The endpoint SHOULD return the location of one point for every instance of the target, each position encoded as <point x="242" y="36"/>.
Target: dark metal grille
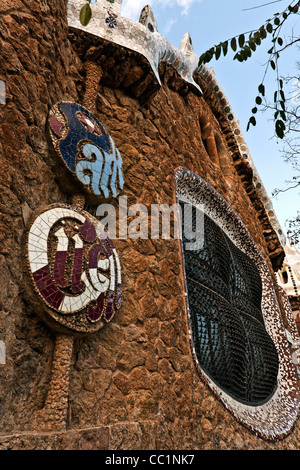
<point x="229" y="335"/>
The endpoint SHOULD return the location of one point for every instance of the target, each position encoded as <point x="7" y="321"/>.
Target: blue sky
<point x="210" y="22"/>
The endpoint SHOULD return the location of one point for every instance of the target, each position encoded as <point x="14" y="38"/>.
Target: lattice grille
<point x="229" y="335"/>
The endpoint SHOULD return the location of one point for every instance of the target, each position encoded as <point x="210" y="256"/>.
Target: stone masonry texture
<point x="133" y="384"/>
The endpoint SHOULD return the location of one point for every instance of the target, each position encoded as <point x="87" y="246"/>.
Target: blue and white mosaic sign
<point x="86" y="149"/>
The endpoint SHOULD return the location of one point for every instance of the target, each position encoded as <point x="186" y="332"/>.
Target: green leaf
<point x="254" y="110"/>
<point x="247" y="52"/>
<point x="85" y="14"/>
<point x="261" y="89"/>
<point x="273" y="65"/>
<point x="258" y="100"/>
<point x="281" y="124"/>
<point x="257" y="38"/>
<point x="293" y="9"/>
<point x="224" y="47"/>
<point x="241" y="40"/>
<point x="252" y="121"/>
<point x="252" y="45"/>
<point x="282" y="103"/>
<point x="238" y="57"/>
<point x="283" y="115"/>
<point x="201" y="59"/>
<point x="277" y="21"/>
<point x="263" y="33"/>
<point x="280" y="41"/>
<point x="269" y="28"/>
<point x="244" y="54"/>
<point x="209" y="54"/>
<point x="233" y="44"/>
<point x="218" y="52"/>
<point x="280" y="128"/>
<point x="206" y="57"/>
<point x="282" y="95"/>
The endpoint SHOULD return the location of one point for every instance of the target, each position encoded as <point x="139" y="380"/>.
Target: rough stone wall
<point x="133" y="384"/>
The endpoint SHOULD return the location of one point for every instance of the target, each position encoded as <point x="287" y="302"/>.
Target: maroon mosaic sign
<point x="74" y="267"/>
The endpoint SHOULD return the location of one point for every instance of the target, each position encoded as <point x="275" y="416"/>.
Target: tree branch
<point x="263" y="5"/>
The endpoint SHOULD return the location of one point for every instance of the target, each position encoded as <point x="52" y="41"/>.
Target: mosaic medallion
<point x="86" y="149"/>
<point x="111" y="19"/>
<point x="74" y="268"/>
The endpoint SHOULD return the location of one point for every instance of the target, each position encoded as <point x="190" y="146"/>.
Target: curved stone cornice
<point x="108" y="23"/>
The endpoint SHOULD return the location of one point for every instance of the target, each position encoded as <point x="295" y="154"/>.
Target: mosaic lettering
<point x="74" y="267"/>
<point x="86" y="149"/>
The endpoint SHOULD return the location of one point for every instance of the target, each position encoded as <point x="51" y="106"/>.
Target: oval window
<point x="225" y="293"/>
<point x="237" y="334"/>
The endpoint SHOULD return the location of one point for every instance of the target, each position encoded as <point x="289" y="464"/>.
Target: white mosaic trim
<point x="277" y="417"/>
<point x="292" y="332"/>
<point x="134" y="36"/>
<point x="39" y="233"/>
<point x="291" y="266"/>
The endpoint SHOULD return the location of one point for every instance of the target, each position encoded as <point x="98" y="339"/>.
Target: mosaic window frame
<point x="276" y="417"/>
